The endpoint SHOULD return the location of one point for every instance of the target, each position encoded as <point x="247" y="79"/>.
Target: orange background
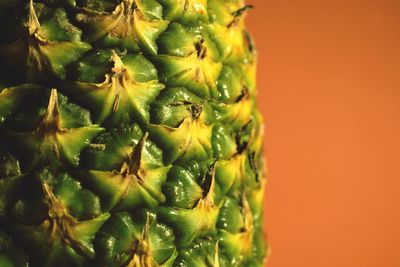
<point x="329" y="83"/>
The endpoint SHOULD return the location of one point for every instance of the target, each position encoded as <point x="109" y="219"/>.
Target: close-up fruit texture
<point x="129" y="134"/>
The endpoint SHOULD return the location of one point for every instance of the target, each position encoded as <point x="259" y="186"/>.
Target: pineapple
<point x="129" y="135"/>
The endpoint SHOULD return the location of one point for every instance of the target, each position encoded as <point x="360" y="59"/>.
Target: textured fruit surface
<point x="129" y="134"/>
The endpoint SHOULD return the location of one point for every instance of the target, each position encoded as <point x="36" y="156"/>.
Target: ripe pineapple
<point x="129" y="134"/>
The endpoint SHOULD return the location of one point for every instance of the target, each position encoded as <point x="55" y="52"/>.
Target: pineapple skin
<point x="129" y="135"/>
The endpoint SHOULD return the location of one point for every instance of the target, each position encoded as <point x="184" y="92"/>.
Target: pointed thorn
<point x="209" y="198"/>
<point x="216" y="257"/>
<point x="146" y="227"/>
<point x="46" y="189"/>
<point x="118" y="64"/>
<point x="241" y="10"/>
<point x="247" y="214"/>
<point x="136" y="156"/>
<point x="52" y="116"/>
<point x="33" y="21"/>
<point x="238" y="14"/>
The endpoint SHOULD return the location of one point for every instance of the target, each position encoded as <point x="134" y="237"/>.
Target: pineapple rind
<point x="129" y="135"/>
